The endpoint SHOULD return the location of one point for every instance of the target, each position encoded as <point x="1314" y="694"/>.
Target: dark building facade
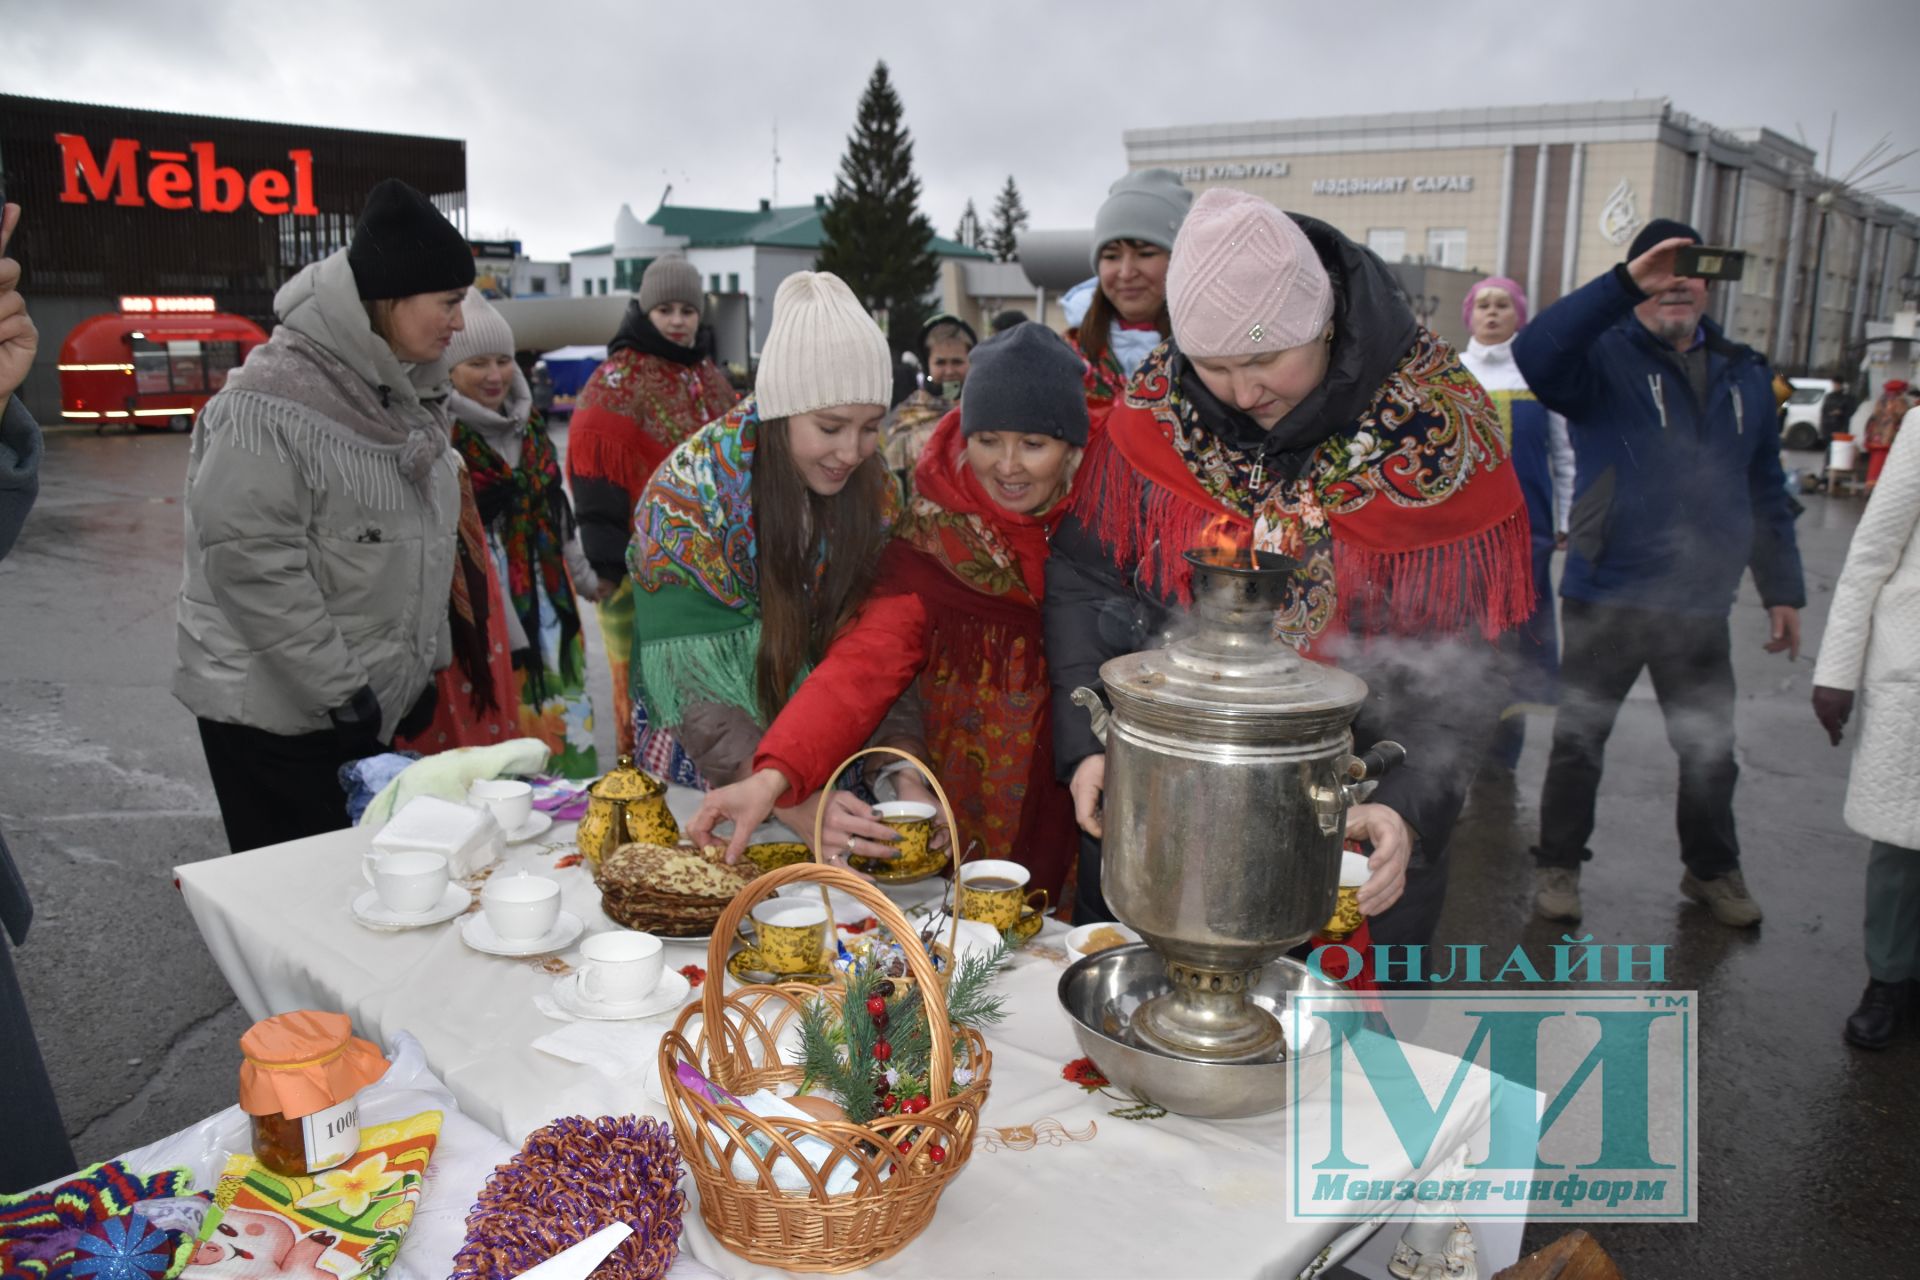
<point x="124" y="202"/>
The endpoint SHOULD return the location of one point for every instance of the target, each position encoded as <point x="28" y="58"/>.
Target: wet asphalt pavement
<point x="1802" y="1139"/>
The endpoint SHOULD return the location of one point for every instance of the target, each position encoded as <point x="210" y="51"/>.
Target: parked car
<point x="1802" y="417"/>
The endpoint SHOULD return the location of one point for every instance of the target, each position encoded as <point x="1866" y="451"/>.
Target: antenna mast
<point x="776" y="163"/>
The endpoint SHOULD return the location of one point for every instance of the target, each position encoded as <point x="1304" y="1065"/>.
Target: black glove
<point x="357" y="723"/>
<point x="421" y="713"/>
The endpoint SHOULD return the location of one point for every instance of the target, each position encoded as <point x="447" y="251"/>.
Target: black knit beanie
<point x="1027" y="381"/>
<point x="403" y="246"/>
<point x="1656" y="231"/>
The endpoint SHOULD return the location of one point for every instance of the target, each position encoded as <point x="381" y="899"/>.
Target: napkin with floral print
<point x="340" y="1224"/>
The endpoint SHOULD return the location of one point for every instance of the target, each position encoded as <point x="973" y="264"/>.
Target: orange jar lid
<point x="300" y="1063"/>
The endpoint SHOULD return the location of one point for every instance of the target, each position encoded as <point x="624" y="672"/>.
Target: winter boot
<point x="1556" y="892"/>
<point x="1726" y="896"/>
<point x="1881" y="1014"/>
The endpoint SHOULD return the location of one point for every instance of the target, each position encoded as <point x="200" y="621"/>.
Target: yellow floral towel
<point x="343" y="1224"/>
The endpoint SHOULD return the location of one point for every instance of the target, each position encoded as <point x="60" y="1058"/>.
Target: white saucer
<point x="666" y="997"/>
<point x="478" y="934"/>
<point x="375" y="914"/>
<point x="536" y="825"/>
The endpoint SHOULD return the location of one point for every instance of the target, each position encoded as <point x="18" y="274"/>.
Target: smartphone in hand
<point x="1705" y="263"/>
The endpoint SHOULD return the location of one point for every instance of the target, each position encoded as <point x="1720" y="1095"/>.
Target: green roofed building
<point x="742" y="255"/>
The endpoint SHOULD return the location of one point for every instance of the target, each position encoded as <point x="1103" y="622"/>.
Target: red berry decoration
<point x="915" y="1105"/>
<point x="880" y="1021"/>
<point x="905" y="1145"/>
<point x="882" y="1051"/>
<point x="877" y="1006"/>
<point x="889" y="1103"/>
<point x="936" y="1152"/>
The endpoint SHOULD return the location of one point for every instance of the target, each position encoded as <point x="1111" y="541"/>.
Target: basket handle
<point x="713" y="1003"/>
<point x="953" y="841"/>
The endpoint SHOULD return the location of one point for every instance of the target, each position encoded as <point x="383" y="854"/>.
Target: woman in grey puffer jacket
<point x="322" y="499"/>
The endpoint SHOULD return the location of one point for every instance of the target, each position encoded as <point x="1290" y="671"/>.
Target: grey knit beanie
<point x="1026" y="380"/>
<point x="671" y="279"/>
<point x="823" y="349"/>
<point x="486" y="332"/>
<point x="1147" y="204"/>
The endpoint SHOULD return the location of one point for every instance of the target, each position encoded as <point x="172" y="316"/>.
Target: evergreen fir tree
<point x="1009" y="216"/>
<point x="967" y="231"/>
<point x="876" y="236"/>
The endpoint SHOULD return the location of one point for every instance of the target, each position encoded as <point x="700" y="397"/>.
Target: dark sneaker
<point x="1726" y="896"/>
<point x="1879" y="1017"/>
<point x="1556" y="892"/>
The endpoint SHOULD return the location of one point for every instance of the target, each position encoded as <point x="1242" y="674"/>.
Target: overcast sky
<point x="569" y="108"/>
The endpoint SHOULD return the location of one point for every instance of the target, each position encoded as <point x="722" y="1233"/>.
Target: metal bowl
<point x="1102" y="992"/>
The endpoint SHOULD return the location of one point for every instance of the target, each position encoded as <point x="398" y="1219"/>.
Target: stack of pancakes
<point x="673" y="891"/>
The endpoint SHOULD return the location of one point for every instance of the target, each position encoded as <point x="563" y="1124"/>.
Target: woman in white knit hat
<point x="758" y="538"/>
<point x="532" y="541"/>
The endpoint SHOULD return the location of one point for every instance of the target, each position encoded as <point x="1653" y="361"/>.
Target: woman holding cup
<point x="758" y="541"/>
<point x="959" y="599"/>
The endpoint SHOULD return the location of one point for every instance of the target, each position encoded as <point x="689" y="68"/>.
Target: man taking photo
<point x="1678" y="489"/>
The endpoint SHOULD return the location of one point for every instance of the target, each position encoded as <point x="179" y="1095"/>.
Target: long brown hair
<point x="798" y="615"/>
<point x="1096" y="326"/>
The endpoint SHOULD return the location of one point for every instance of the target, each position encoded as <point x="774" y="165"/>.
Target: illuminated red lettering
<point x="77" y="166"/>
<point x="303" y="184"/>
<point x="169" y="181"/>
<point x="267" y="192"/>
<point x="221" y="188"/>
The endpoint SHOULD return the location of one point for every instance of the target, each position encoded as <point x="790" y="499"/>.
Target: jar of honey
<point x="300" y="1080"/>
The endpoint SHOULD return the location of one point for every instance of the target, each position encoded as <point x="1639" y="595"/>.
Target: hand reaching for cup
<point x="1392" y="841"/>
<point x="851" y="831"/>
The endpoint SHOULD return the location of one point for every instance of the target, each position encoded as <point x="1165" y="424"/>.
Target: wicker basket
<point x="737" y="1046"/>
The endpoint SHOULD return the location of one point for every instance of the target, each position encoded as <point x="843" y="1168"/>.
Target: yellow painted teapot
<point x="625" y="806"/>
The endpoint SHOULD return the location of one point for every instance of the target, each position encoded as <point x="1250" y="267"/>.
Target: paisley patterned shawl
<point x="1409" y="520"/>
<point x="647" y="395"/>
<point x="695" y="526"/>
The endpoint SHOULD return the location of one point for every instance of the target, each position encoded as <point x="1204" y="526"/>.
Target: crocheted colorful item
<point x="525" y="507"/>
<point x="1105" y="382"/>
<point x="346" y="1223"/>
<point x="41" y="1232"/>
<point x="1408" y="520"/>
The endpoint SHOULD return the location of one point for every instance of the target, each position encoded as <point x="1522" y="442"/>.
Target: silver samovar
<point x="1229" y="770"/>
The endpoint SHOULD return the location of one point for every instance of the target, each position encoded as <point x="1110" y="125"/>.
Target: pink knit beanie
<point x="1509" y="287"/>
<point x="1244" y="279"/>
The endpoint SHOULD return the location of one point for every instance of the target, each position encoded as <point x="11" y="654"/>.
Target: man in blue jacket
<point x="1678" y="489"/>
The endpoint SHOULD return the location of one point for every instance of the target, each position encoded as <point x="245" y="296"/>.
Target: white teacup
<point x="408" y="882"/>
<point x="619" y="968"/>
<point x="521" y="907"/>
<point x="510" y="802"/>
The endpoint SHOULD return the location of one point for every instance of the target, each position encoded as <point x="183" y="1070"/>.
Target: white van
<point x="1800" y="415"/>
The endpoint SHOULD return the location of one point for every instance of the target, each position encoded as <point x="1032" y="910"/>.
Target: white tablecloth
<point x="1059" y="1184"/>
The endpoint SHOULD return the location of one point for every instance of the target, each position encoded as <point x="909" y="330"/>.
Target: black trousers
<point x="1690" y="659"/>
<point x="274" y="787"/>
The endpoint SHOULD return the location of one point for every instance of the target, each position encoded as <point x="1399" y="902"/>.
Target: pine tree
<point x="967" y="231"/>
<point x="1009" y="216"/>
<point x="876" y="236"/>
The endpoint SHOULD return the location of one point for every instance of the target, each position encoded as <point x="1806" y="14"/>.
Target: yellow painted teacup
<point x="789" y="934"/>
<point x="994" y="892"/>
<point x="1347" y="917"/>
<point x="912" y="821"/>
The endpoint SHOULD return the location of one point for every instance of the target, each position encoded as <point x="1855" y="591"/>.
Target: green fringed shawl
<point x="689" y="647"/>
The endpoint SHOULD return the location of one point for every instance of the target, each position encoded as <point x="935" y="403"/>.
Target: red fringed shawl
<point x="633" y="412"/>
<point x="1407" y="521"/>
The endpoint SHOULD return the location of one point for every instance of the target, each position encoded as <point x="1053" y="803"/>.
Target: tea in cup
<point x="620" y="968"/>
<point x="912" y="822"/>
<point x="409" y="882"/>
<point x="995" y="891"/>
<point x="790" y="935"/>
<point x="1347" y="917"/>
<point x="521" y="907"/>
<point x="510" y="802"/>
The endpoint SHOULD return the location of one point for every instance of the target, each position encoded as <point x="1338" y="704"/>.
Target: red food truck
<point x="153" y="364"/>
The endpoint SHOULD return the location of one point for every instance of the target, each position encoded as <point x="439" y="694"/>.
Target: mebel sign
<point x="176" y="181"/>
